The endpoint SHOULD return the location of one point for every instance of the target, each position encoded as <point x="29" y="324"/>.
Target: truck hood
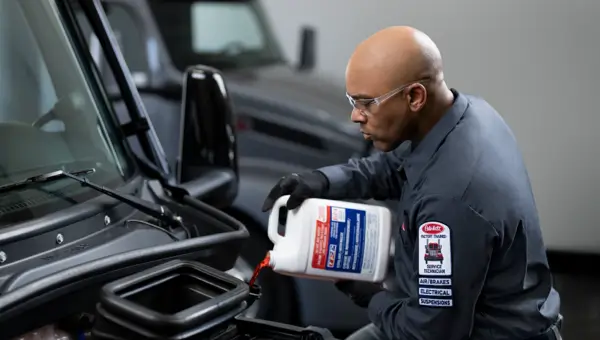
<point x="305" y="96"/>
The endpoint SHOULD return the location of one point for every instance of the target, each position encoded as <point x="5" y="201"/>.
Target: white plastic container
<point x="327" y="239"/>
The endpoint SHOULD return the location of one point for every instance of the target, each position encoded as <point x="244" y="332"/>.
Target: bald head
<point x="396" y="62"/>
<point x="395" y="56"/>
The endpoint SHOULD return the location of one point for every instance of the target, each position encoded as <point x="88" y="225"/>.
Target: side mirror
<point x="308" y="52"/>
<point x="207" y="165"/>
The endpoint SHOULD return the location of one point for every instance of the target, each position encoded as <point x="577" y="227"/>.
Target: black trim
<point x="135" y="127"/>
<point x="148" y="140"/>
<point x="76" y="288"/>
<point x="41" y="202"/>
<point x="64" y="217"/>
<point x="92" y="74"/>
<point x="286" y="133"/>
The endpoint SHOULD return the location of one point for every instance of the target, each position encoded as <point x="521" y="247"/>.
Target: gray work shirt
<point x="469" y="258"/>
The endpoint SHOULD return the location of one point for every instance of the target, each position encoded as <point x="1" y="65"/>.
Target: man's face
<point x="386" y="124"/>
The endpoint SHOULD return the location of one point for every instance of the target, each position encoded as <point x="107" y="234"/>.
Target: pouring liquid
<point x="263" y="264"/>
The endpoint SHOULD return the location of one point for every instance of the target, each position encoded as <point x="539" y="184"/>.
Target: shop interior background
<point x="537" y="63"/>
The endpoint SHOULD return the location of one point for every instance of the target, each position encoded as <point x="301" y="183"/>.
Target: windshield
<point x="50" y="116"/>
<point x="222" y="34"/>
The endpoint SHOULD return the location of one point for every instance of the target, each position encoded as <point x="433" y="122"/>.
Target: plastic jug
<point x="328" y="239"/>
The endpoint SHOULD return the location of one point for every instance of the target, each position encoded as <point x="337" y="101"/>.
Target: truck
<point x="287" y="120"/>
<point x="282" y="112"/>
<point x="89" y="206"/>
<point x="433" y="252"/>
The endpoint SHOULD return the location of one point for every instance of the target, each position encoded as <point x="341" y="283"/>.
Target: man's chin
<point x="381" y="146"/>
<point x="386" y="146"/>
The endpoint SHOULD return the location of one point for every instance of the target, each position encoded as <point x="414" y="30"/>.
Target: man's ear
<point x="417" y="96"/>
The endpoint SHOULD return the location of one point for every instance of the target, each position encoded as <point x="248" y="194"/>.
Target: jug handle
<point x="272" y="231"/>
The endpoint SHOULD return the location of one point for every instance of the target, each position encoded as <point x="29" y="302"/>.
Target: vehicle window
<point x="27" y="90"/>
<point x="223" y="34"/>
<point x="50" y="118"/>
<point x="224" y="28"/>
<point x="159" y="111"/>
<point x="130" y="36"/>
<point x="105" y="71"/>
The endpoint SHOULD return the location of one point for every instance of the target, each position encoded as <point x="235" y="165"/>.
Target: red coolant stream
<point x="263" y="264"/>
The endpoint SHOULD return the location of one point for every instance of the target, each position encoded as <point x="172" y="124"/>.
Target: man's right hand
<point x="299" y="187"/>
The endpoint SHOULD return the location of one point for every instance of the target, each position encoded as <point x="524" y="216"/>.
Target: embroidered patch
<point x="440" y="292"/>
<point x="435" y="251"/>
<point x="428" y="281"/>
<point x="435" y="302"/>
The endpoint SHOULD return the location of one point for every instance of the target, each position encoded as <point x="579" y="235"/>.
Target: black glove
<point x="359" y="292"/>
<point x="299" y="187"/>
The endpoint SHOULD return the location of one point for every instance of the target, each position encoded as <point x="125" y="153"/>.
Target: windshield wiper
<point x="157" y="211"/>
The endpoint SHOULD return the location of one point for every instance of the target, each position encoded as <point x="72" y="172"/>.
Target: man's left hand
<point x="359" y="292"/>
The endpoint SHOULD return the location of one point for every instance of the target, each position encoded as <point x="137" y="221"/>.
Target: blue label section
<point x="346" y="240"/>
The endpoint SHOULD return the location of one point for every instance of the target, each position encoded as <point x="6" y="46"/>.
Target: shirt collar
<point x="413" y="161"/>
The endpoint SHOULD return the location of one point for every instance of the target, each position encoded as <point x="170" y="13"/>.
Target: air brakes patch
<point x="435" y="250"/>
<point x="428" y="281"/>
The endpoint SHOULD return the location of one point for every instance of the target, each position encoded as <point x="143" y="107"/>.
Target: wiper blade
<point x="47" y="177"/>
<point x="157" y="211"/>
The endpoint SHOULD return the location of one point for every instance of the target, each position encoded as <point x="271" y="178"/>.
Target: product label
<point x="346" y="240"/>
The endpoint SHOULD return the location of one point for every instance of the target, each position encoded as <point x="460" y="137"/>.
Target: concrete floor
<point x="580" y="305"/>
<point x="578" y="284"/>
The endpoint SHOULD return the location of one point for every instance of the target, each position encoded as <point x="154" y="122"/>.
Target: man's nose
<point x="357" y="117"/>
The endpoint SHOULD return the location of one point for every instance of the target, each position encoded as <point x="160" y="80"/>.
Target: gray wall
<point x="536" y="61"/>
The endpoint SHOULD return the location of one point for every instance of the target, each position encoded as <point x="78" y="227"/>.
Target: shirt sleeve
<point x="376" y="176"/>
<point x="452" y="252"/>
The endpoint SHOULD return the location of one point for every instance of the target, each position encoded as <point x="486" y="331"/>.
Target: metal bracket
<point x="135" y="127"/>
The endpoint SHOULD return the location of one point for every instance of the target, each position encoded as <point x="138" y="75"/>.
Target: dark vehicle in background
<point x="85" y="199"/>
<point x="284" y="112"/>
<point x="287" y="121"/>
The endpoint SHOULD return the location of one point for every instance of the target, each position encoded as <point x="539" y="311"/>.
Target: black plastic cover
<point x="255" y="329"/>
<point x="186" y="300"/>
<point x="234" y="328"/>
<point x="46" y="293"/>
<point x="174" y="297"/>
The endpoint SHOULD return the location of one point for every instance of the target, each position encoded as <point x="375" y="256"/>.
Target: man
<point x="469" y="258"/>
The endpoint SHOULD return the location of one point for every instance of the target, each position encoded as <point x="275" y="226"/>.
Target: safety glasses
<point x="363" y="104"/>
